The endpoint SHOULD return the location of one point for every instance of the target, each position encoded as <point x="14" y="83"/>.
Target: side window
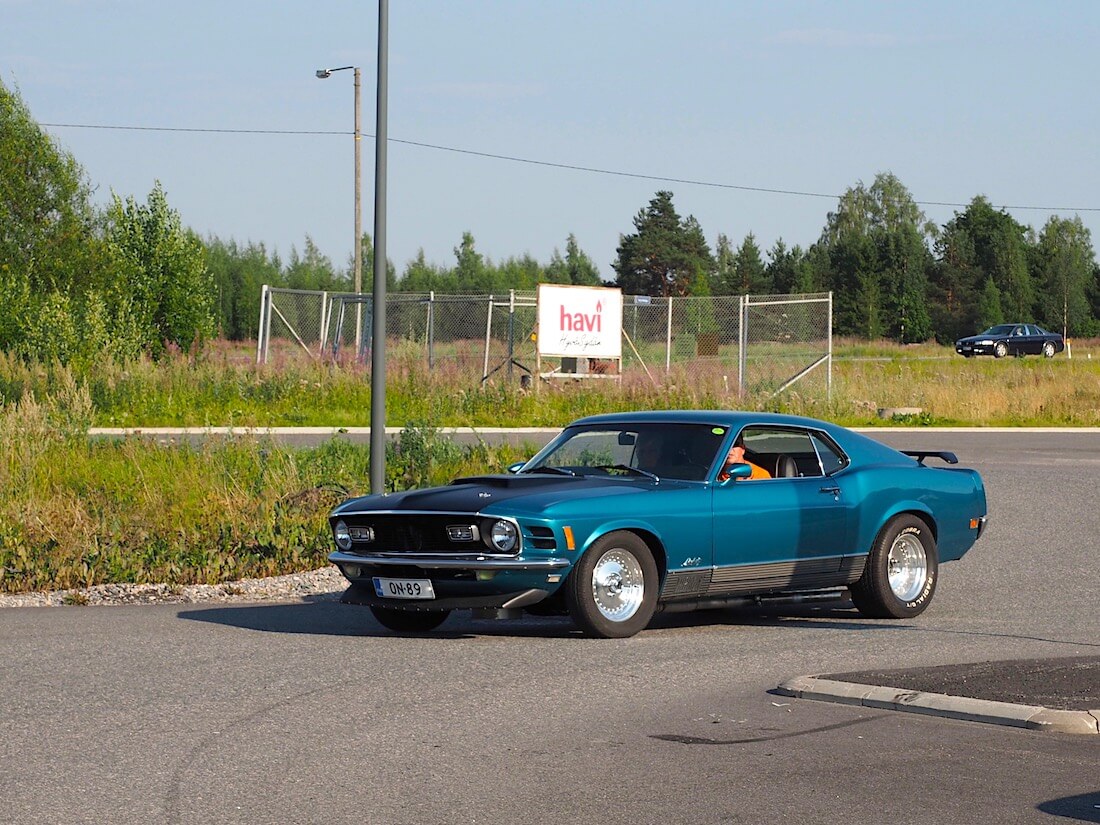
<point x="831" y="457"/>
<point x="784" y="453"/>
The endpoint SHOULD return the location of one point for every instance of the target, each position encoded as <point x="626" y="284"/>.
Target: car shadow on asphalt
<point x="1081" y="808"/>
<point x="331" y="618"/>
<point x="323" y="616"/>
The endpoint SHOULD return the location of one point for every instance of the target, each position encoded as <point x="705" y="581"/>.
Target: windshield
<point x="675" y="451"/>
<point x="1000" y="329"/>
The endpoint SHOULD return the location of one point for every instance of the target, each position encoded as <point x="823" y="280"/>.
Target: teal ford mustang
<point x="625" y="515"/>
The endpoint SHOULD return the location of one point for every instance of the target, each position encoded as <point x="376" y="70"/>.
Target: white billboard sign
<point x="580" y="321"/>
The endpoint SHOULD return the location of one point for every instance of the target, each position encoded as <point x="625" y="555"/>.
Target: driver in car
<point x="736" y="455"/>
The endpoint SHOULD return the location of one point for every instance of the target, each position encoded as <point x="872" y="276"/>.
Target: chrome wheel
<point x="1000" y="350"/>
<point x="902" y="567"/>
<point x="1048" y="349"/>
<point x="612" y="591"/>
<point x="907" y="567"/>
<point x="618" y="585"/>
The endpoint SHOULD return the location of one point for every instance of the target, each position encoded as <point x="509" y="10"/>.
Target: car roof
<point x="855" y="444"/>
<point x="725" y="418"/>
<point x="728" y="418"/>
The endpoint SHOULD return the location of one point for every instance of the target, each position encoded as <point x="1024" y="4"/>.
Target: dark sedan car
<point x="1011" y="339"/>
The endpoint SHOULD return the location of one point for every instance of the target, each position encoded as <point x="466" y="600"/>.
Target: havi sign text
<point x="580" y="321"/>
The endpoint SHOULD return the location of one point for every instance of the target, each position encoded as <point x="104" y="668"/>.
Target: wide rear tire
<point x="612" y="591"/>
<point x="901" y="573"/>
<point x="1048" y="350"/>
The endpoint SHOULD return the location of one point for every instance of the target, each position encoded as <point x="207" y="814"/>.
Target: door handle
<point x="835" y="491"/>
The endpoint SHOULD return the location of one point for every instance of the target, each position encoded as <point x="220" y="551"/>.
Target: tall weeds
<point x="79" y="512"/>
<point x="222" y="388"/>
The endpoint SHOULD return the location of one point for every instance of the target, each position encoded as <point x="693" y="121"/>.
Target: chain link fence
<point x="754" y="343"/>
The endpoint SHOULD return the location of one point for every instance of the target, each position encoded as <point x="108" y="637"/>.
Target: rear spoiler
<point x="921" y="455"/>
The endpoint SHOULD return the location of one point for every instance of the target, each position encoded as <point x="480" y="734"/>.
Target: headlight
<point x="342" y="536"/>
<point x="986" y="342"/>
<point x="504" y="536"/>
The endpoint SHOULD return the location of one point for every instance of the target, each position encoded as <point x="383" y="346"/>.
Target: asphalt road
<point x="309" y="712"/>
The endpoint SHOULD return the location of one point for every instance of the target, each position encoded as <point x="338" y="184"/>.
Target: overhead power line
<point x="547" y="163"/>
<point x="182" y="129"/>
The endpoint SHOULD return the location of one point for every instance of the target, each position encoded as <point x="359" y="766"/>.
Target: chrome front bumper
<point x="340" y="558"/>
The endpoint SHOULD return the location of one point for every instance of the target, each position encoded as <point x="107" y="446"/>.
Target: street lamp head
<point x="323" y="73"/>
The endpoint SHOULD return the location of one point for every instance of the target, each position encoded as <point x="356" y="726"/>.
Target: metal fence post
<point x="743" y="342"/>
<point x="431" y="330"/>
<point x="268" y="306"/>
<point x="260" y="330"/>
<point x="829" y="370"/>
<point x="488" y="333"/>
<point x="668" y="338"/>
<point x="511" y="331"/>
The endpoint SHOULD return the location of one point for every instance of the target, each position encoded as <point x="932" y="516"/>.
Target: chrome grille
<point x="441" y="533"/>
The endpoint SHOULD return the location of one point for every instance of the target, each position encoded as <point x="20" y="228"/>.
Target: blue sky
<point x="956" y="99"/>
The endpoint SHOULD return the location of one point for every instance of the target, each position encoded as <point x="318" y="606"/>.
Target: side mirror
<point x="737" y="471"/>
<point x="515" y="468"/>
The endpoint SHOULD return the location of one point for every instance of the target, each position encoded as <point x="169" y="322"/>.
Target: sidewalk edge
<point x="1032" y="717"/>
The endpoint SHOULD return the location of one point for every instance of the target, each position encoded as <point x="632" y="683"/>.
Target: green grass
<point x="79" y="512"/>
<point x="225" y="389"/>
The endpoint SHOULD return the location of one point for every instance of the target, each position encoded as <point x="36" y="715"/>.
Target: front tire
<point x="1000" y="349"/>
<point x="1048" y="349"/>
<point x="612" y="591"/>
<point x="409" y="621"/>
<point x="901" y="573"/>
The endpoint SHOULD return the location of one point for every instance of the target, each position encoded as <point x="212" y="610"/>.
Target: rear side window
<point x="831" y="457"/>
<point x="769" y="448"/>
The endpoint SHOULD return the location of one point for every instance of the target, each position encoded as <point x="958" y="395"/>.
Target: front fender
<point x="648" y="531"/>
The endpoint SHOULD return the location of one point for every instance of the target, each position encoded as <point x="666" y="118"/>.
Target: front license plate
<point x="404" y="588"/>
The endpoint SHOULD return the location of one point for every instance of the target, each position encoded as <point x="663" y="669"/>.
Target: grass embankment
<point x="77" y="512"/>
<point x="224" y="389"/>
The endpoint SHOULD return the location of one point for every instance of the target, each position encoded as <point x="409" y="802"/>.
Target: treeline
<point x="78" y="282"/>
<point x="239" y="273"/>
<point x="893" y="273"/>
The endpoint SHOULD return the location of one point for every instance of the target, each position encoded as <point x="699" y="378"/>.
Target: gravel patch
<point x="325" y="584"/>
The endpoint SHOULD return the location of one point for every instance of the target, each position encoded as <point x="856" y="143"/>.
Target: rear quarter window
<point x="832" y="459"/>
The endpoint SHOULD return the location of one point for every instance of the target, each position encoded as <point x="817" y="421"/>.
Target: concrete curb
<point x="1032" y="717"/>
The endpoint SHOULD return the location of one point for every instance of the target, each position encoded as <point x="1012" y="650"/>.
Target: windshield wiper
<point x="546" y="468"/>
<point x="626" y="468"/>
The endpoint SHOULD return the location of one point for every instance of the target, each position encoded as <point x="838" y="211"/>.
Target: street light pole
<point x="378" y="325"/>
<point x="358" y="247"/>
<point x="378" y="302"/>
<point x="358" y="283"/>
